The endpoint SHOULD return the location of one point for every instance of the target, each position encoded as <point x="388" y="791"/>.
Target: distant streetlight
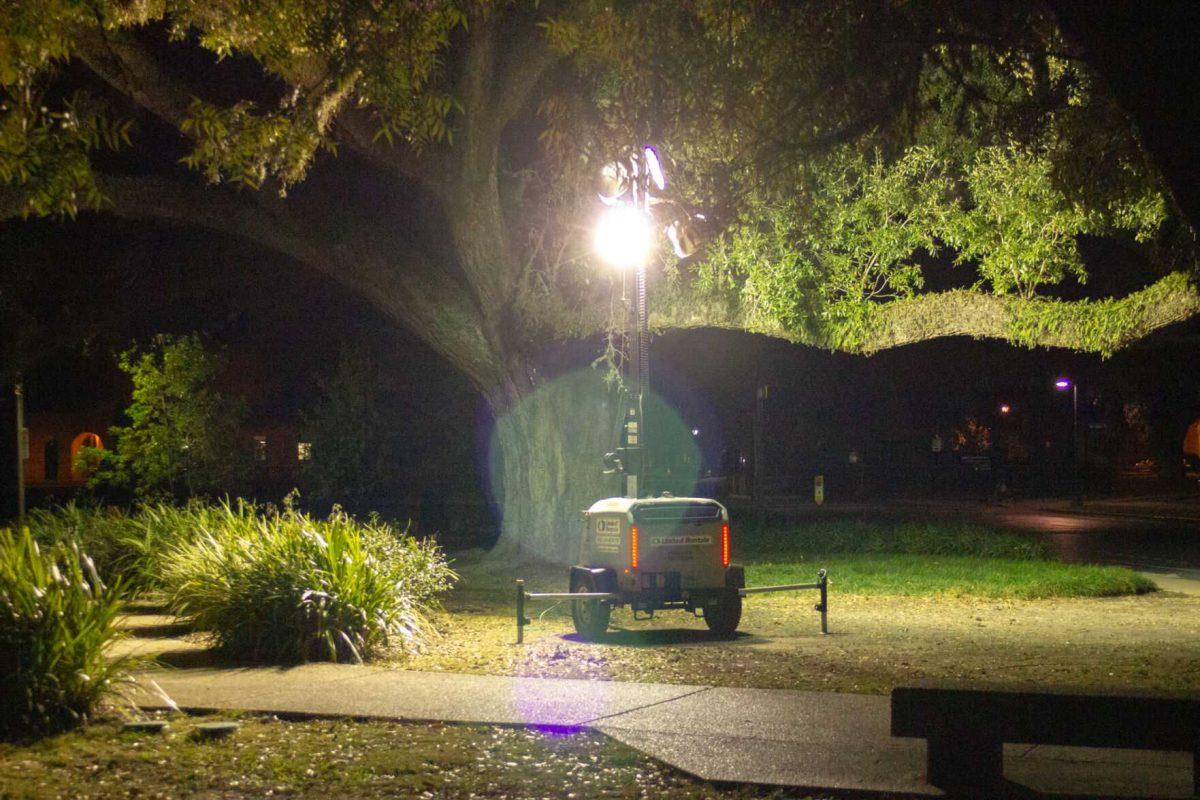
<point x="1066" y="384"/>
<point x="1005" y="409"/>
<point x="695" y="431"/>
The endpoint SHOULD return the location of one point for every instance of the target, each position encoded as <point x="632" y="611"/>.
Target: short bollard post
<point x="824" y="606"/>
<point x="521" y="621"/>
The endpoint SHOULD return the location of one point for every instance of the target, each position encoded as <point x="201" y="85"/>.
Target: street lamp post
<point x="22" y="452"/>
<point x="1065" y="384"/>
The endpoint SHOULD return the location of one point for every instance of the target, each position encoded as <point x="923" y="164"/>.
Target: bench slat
<point x="1149" y="723"/>
<point x="965" y="729"/>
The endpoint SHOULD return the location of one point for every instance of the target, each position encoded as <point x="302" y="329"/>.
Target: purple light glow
<point x="1062" y="384"/>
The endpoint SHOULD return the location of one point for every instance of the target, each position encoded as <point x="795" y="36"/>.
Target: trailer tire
<point x="722" y="615"/>
<point x="590" y="616"/>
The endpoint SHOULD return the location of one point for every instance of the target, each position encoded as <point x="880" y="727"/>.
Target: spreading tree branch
<point x="118" y="59"/>
<point x="431" y="167"/>
<point x="393" y="276"/>
<point x="1097" y="326"/>
<point x="527" y="59"/>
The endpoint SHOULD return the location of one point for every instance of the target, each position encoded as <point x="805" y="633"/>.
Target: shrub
<point x="284" y="587"/>
<point x="183" y="437"/>
<point x="57" y="618"/>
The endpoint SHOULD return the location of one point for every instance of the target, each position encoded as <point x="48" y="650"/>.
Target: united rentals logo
<point x="608" y="536"/>
<point x="670" y="541"/>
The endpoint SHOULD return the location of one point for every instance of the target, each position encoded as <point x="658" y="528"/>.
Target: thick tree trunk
<point x="545" y="461"/>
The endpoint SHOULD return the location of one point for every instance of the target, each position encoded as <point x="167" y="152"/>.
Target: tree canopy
<point x="837" y="149"/>
<point x="850" y="149"/>
<point x="870" y="173"/>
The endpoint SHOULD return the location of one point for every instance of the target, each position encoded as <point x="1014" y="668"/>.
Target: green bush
<point x="284" y="587"/>
<point x="57" y="618"/>
<point x="913" y="538"/>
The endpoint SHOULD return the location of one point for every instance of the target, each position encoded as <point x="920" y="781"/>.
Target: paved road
<point x="1159" y="537"/>
<point x="1099" y="537"/>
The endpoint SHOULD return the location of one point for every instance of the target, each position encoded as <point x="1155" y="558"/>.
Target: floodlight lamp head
<point x="623" y="237"/>
<point x="1062" y="384"/>
<point x="613" y="183"/>
<point x="654" y="167"/>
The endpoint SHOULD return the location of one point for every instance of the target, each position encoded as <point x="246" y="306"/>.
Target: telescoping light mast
<point x="625" y="238"/>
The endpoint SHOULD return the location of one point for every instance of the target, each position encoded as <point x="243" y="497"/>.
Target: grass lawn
<point x="925" y="559"/>
<point x="875" y="574"/>
<point x="894" y="618"/>
<point x="330" y="759"/>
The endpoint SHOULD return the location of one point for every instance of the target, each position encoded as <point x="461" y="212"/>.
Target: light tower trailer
<point x="658" y="553"/>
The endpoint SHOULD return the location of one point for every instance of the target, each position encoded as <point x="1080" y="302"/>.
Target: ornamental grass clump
<point x="57" y="619"/>
<point x="108" y="535"/>
<point x="282" y="586"/>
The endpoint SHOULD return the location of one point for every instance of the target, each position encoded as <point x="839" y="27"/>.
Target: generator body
<point x="656" y="553"/>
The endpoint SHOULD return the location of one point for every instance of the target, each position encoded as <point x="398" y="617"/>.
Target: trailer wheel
<point x="590" y="616"/>
<point x="723" y="614"/>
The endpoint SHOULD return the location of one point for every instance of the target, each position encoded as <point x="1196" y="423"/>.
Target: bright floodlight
<point x="1062" y="384"/>
<point x="623" y="237"/>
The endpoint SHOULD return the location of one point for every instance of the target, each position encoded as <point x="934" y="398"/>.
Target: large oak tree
<point x="435" y="158"/>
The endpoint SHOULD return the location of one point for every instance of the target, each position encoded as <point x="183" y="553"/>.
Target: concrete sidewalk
<point x="811" y="740"/>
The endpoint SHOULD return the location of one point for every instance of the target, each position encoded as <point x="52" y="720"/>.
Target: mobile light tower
<point x="630" y="545"/>
<point x="624" y="237"/>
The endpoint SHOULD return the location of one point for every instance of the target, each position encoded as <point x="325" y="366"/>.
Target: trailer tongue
<point x="653" y="554"/>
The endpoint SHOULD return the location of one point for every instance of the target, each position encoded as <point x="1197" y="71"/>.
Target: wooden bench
<point x="965" y="729"/>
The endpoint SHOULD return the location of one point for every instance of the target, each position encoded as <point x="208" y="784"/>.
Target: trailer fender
<point x="603" y="580"/>
<point x="735" y="577"/>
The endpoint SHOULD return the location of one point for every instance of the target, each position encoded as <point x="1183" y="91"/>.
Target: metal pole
<point x="521" y="621"/>
<point x="643" y="336"/>
<point x="22" y="453"/>
<point x="758" y="448"/>
<point x="636" y="472"/>
<point x="1075" y="445"/>
<point x="642" y="364"/>
<point x="824" y="581"/>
